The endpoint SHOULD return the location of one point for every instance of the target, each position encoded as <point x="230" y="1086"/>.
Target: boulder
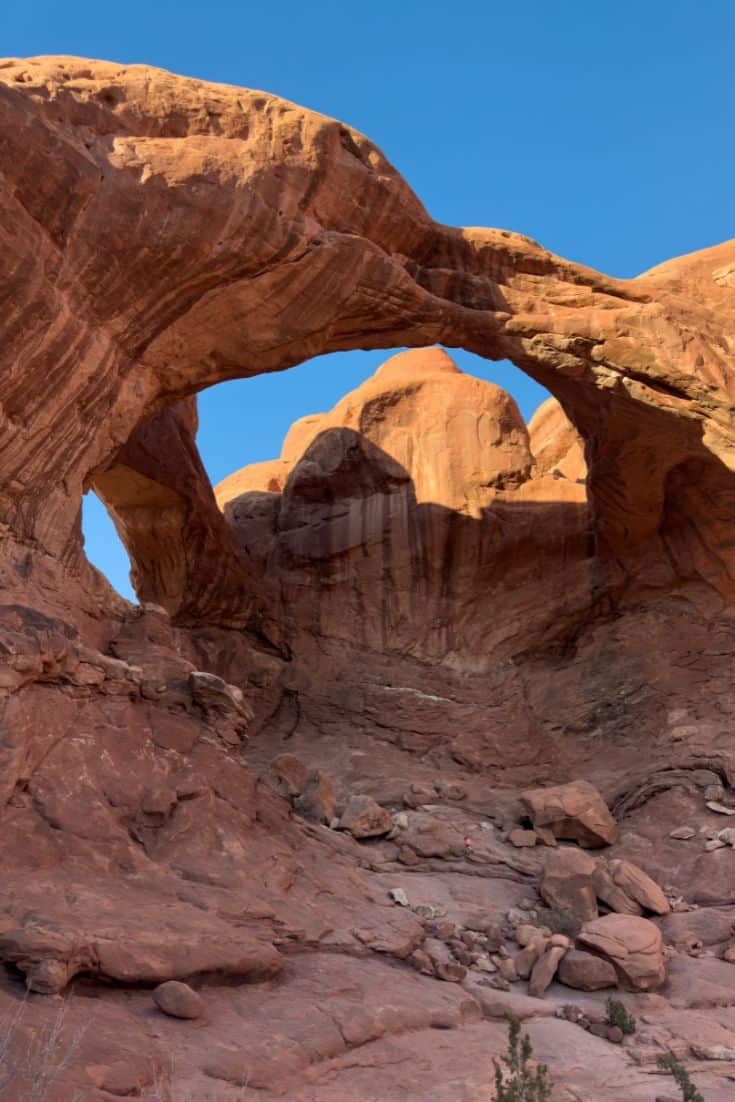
<point x="318" y="800"/>
<point x="574" y="811"/>
<point x="567" y="883"/>
<point x="525" y="961"/>
<point x="639" y="892"/>
<point x="289" y="775"/>
<point x="178" y="1000"/>
<point x="445" y="965"/>
<point x="363" y="817"/>
<point x="544" y="970"/>
<point x="586" y="972"/>
<point x="633" y="946"/>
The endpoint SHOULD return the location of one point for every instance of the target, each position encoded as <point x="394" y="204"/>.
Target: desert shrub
<point x="619" y="1016"/>
<point x="517" y="1082"/>
<point x="689" y="1092"/>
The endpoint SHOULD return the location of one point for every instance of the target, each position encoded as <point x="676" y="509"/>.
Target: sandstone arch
<point x="161" y="234"/>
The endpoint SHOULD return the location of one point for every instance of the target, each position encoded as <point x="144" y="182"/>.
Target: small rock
<point x="398" y="896"/>
<point x="444" y="930"/>
<point x="714" y="792"/>
<point x="560" y="941"/>
<point x="445" y="966"/>
<point x="713" y="844"/>
<point x="727" y="835"/>
<point x="419" y="794"/>
<point x="713" y="1052"/>
<point x="451" y="790"/>
<point x="507" y="969"/>
<point x="545" y="836"/>
<point x="683" y="833"/>
<point x="721" y="809"/>
<point x="318" y="801"/>
<point x="425" y="910"/>
<point x="178" y="1000"/>
<point x="363" y="817"/>
<point x="729" y="954"/>
<point x="525" y="934"/>
<point x="484" y="964"/>
<point x="421" y="961"/>
<point x="703" y="778"/>
<point x="460" y="952"/>
<point x="290" y="776"/>
<point x="522" y="839"/>
<point x="400" y="819"/>
<point x="407" y="856"/>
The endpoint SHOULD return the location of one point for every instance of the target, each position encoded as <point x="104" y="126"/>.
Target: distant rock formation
<point x="413" y="519"/>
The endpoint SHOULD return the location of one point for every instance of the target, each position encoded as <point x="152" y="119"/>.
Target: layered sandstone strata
<point x="422" y="600"/>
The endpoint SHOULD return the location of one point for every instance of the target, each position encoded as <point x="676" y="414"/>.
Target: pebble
<point x="713" y="805"/>
<point x="683" y="833"/>
<point x="398" y="896"/>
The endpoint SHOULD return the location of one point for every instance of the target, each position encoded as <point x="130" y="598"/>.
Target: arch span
<point x="160" y="234"/>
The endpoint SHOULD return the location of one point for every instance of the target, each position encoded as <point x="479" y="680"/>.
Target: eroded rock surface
<point x="423" y="606"/>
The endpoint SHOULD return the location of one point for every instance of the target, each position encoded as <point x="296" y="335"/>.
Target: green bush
<point x="619" y="1016"/>
<point x="518" y="1083"/>
<point x="689" y="1092"/>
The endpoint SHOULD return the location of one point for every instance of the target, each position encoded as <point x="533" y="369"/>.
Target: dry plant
<point x="47" y="1050"/>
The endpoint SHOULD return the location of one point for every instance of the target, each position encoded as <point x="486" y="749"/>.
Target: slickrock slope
<point x="422" y="604"/>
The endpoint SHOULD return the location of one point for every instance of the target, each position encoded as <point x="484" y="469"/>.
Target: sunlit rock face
<point x="413" y="519"/>
<point x="423" y="603"/>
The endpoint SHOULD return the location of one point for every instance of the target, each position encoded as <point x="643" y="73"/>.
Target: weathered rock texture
<point x="384" y="519"/>
<point x="423" y="602"/>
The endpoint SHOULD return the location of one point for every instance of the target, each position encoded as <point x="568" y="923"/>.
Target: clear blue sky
<point x="605" y="130"/>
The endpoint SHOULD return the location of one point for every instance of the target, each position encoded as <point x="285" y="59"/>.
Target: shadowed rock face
<point x="426" y="602"/>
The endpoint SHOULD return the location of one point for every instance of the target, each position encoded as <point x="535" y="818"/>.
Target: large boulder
<point x="575" y="811"/>
<point x="628" y="890"/>
<point x="586" y="972"/>
<point x="567" y="883"/>
<point x="632" y="945"/>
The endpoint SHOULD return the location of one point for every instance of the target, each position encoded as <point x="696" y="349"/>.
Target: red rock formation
<point x="421" y="599"/>
<point x="416" y="494"/>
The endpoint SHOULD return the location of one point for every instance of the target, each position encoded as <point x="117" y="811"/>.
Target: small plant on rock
<point x="689" y="1092"/>
<point x="619" y="1016"/>
<point x="518" y="1081"/>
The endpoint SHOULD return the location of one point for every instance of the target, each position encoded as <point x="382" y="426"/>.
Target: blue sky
<point x="605" y="130"/>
